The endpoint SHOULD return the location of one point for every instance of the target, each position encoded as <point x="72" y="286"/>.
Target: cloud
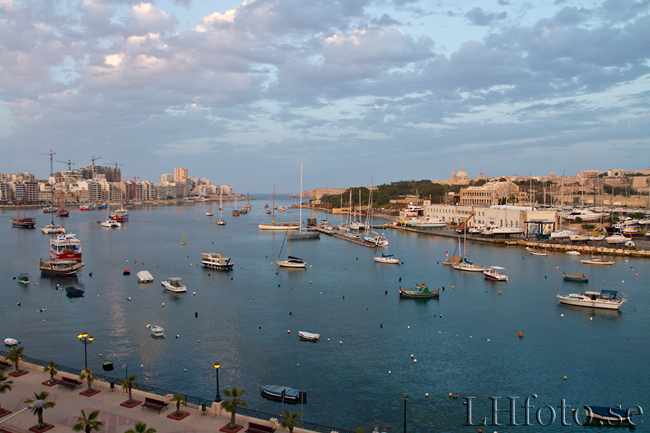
<point x="479" y="18"/>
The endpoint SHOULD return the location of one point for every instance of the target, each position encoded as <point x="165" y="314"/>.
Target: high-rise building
<point x="180" y="174"/>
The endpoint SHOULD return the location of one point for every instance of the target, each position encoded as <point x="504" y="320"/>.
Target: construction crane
<point x="68" y="163"/>
<point x="116" y="164"/>
<point x="133" y="177"/>
<point x="93" y="159"/>
<point x="51" y="154"/>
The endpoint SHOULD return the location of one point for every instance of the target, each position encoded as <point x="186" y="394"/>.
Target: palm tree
<point x="89" y="377"/>
<point x="88" y="423"/>
<point x="52" y="368"/>
<point x="5" y="385"/>
<point x="234" y="396"/>
<point x="289" y="419"/>
<point x="38" y="411"/>
<point x="179" y="399"/>
<point x="15" y="355"/>
<point x="128" y="384"/>
<point x="141" y="427"/>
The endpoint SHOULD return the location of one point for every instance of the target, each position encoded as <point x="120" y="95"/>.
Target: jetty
<point x="334" y="234"/>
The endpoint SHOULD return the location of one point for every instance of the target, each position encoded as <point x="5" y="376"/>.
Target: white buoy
<point x="591" y="318"/>
<point x="389" y="372"/>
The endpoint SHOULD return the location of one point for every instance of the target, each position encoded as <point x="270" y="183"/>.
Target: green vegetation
<point x="88" y="423"/>
<point x="52" y="368"/>
<point x="234" y="400"/>
<point x="128" y="385"/>
<point x="15" y="355"/>
<point x="38" y="410"/>
<point x="290" y="420"/>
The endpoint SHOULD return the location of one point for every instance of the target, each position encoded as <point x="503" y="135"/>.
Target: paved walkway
<point x="116" y="418"/>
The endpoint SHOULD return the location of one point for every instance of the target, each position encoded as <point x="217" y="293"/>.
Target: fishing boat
<point x="120" y="215"/>
<point x="387" y="259"/>
<point x="144" y="277"/>
<point x="73" y="292"/>
<point x="49" y="209"/>
<point x="173" y="285"/>
<point x="597" y="261"/>
<point x="157" y="331"/>
<point x="578" y="278"/>
<point x="62" y="213"/>
<point x="308" y="336"/>
<point x="421" y="291"/>
<point x="110" y="224"/>
<point x="59" y="268"/>
<point x="608" y="416"/>
<point x="215" y="261"/>
<point x="493" y="273"/>
<point x="87" y="207"/>
<point x="10" y="341"/>
<point x="65" y="247"/>
<point x="23" y="278"/>
<point x="607" y="299"/>
<point x="278" y="392"/>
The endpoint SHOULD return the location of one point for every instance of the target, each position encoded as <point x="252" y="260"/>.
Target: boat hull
<point x="275" y="392"/>
<point x="386" y="260"/>
<point x="418" y="294"/>
<point x="606" y="305"/>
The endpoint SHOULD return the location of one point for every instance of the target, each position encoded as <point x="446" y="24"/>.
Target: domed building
<point x="460" y="178"/>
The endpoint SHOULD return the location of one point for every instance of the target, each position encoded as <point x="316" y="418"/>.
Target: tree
<point x="234" y="399"/>
<point x="88" y="423"/>
<point x="52" y="368"/>
<point x="89" y="377"/>
<point x="5" y="385"/>
<point x="289" y="419"/>
<point x="15" y="355"/>
<point x="128" y="384"/>
<point x="179" y="399"/>
<point x="141" y="427"/>
<point x="38" y="411"/>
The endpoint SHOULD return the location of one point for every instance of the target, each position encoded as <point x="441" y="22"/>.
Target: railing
<point x="188" y="398"/>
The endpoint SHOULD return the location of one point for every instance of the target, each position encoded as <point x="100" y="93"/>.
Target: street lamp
<point x="86" y="340"/>
<point x="405" y="397"/>
<point x="217" y="398"/>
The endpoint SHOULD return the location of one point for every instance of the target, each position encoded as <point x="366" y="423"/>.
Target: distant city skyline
<point x="242" y="92"/>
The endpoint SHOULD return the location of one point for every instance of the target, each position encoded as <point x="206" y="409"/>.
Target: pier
<point x="345" y="238"/>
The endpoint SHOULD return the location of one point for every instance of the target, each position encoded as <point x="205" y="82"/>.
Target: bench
<point x="259" y="428"/>
<point x="69" y="382"/>
<point x="4" y="365"/>
<point x="154" y="403"/>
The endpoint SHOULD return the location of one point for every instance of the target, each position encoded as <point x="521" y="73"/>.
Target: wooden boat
<point x="59" y="268"/>
<point x="215" y="261"/>
<point x="308" y="336"/>
<point x="421" y="291"/>
<point x="493" y="274"/>
<point x="145" y="277"/>
<point x="23" y="222"/>
<point x="607" y="299"/>
<point x="597" y="261"/>
<point x="284" y="393"/>
<point x="578" y="278"/>
<point x="173" y="285"/>
<point x="73" y="292"/>
<point x="386" y="258"/>
<point x="23" y="278"/>
<point x="62" y="213"/>
<point x="157" y="331"/>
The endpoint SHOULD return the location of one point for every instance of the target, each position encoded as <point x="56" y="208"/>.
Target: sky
<point x="360" y="91"/>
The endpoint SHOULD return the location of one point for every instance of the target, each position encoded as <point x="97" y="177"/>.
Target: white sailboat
<point x="291" y="261"/>
<point x="51" y="228"/>
<point x="466" y="265"/>
<point x="374" y="238"/>
<point x="302" y="234"/>
<point x="221" y="222"/>
<point x="274" y="225"/>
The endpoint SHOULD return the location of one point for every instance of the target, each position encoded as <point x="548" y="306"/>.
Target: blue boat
<point x="278" y="392"/>
<point x="578" y="278"/>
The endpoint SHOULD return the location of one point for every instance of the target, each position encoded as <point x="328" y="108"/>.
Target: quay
<point x="117" y="417"/>
<point x="345" y="238"/>
<point x="642" y="250"/>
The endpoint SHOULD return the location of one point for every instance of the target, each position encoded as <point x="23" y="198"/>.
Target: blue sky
<point x="357" y="89"/>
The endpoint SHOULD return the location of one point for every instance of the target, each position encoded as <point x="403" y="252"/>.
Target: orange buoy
<point x="521" y="335"/>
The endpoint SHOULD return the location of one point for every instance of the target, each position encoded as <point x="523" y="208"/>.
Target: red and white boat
<point x="120" y="215"/>
<point x="88" y="206"/>
<point x="65" y="247"/>
<point x="493" y="273"/>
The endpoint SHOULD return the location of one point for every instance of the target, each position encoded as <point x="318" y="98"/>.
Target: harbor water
<point x="374" y="347"/>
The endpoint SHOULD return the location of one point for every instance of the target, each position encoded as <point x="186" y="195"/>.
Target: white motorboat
<point x="580" y="238"/>
<point x="597" y="261"/>
<point x="292" y="262"/>
<point x="386" y="258"/>
<point x="209" y="213"/>
<point x="10" y="341"/>
<point x="507" y="231"/>
<point x="215" y="261"/>
<point x="468" y="267"/>
<point x="376" y="239"/>
<point x="110" y="224"/>
<point x="308" y="336"/>
<point x="145" y="277"/>
<point x="157" y="331"/>
<point x="493" y="273"/>
<point x="606" y="299"/>
<point x="584" y="215"/>
<point x="616" y="238"/>
<point x="173" y="285"/>
<point x="561" y="234"/>
<point x="52" y="229"/>
<point x="573" y="253"/>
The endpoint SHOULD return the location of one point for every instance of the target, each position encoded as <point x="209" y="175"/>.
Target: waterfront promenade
<point x="116" y="418"/>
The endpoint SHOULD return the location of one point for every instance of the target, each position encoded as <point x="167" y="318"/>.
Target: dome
<point x="461" y="174"/>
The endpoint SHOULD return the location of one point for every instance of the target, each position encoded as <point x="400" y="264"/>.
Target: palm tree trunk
<point x="40" y="418"/>
<point x="130" y="396"/>
<point x="232" y="420"/>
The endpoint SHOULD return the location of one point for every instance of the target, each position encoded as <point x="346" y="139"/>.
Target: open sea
<point x="373" y="348"/>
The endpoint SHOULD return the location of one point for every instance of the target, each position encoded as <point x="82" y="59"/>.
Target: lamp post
<point x="86" y="340"/>
<point x="217" y="398"/>
<point x="405" y="397"/>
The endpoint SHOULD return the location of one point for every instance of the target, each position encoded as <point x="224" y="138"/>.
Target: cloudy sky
<point x="357" y="89"/>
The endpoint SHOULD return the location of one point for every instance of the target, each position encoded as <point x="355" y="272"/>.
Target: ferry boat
<point x="59" y="268"/>
<point x="421" y="291"/>
<point x="65" y="247"/>
<point x="215" y="261"/>
<point x="607" y="299"/>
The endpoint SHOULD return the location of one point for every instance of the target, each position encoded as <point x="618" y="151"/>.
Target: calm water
<point x="244" y="316"/>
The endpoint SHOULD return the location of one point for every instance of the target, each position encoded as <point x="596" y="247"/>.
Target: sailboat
<point x="52" y="228"/>
<point x="221" y="222"/>
<point x="302" y="234"/>
<point x="209" y="212"/>
<point x="235" y="211"/>
<point x="291" y="262"/>
<point x="274" y="225"/>
<point x="464" y="264"/>
<point x="23" y="222"/>
<point x="374" y="238"/>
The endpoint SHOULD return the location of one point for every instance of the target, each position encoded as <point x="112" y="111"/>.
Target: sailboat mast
<point x="300" y="203"/>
